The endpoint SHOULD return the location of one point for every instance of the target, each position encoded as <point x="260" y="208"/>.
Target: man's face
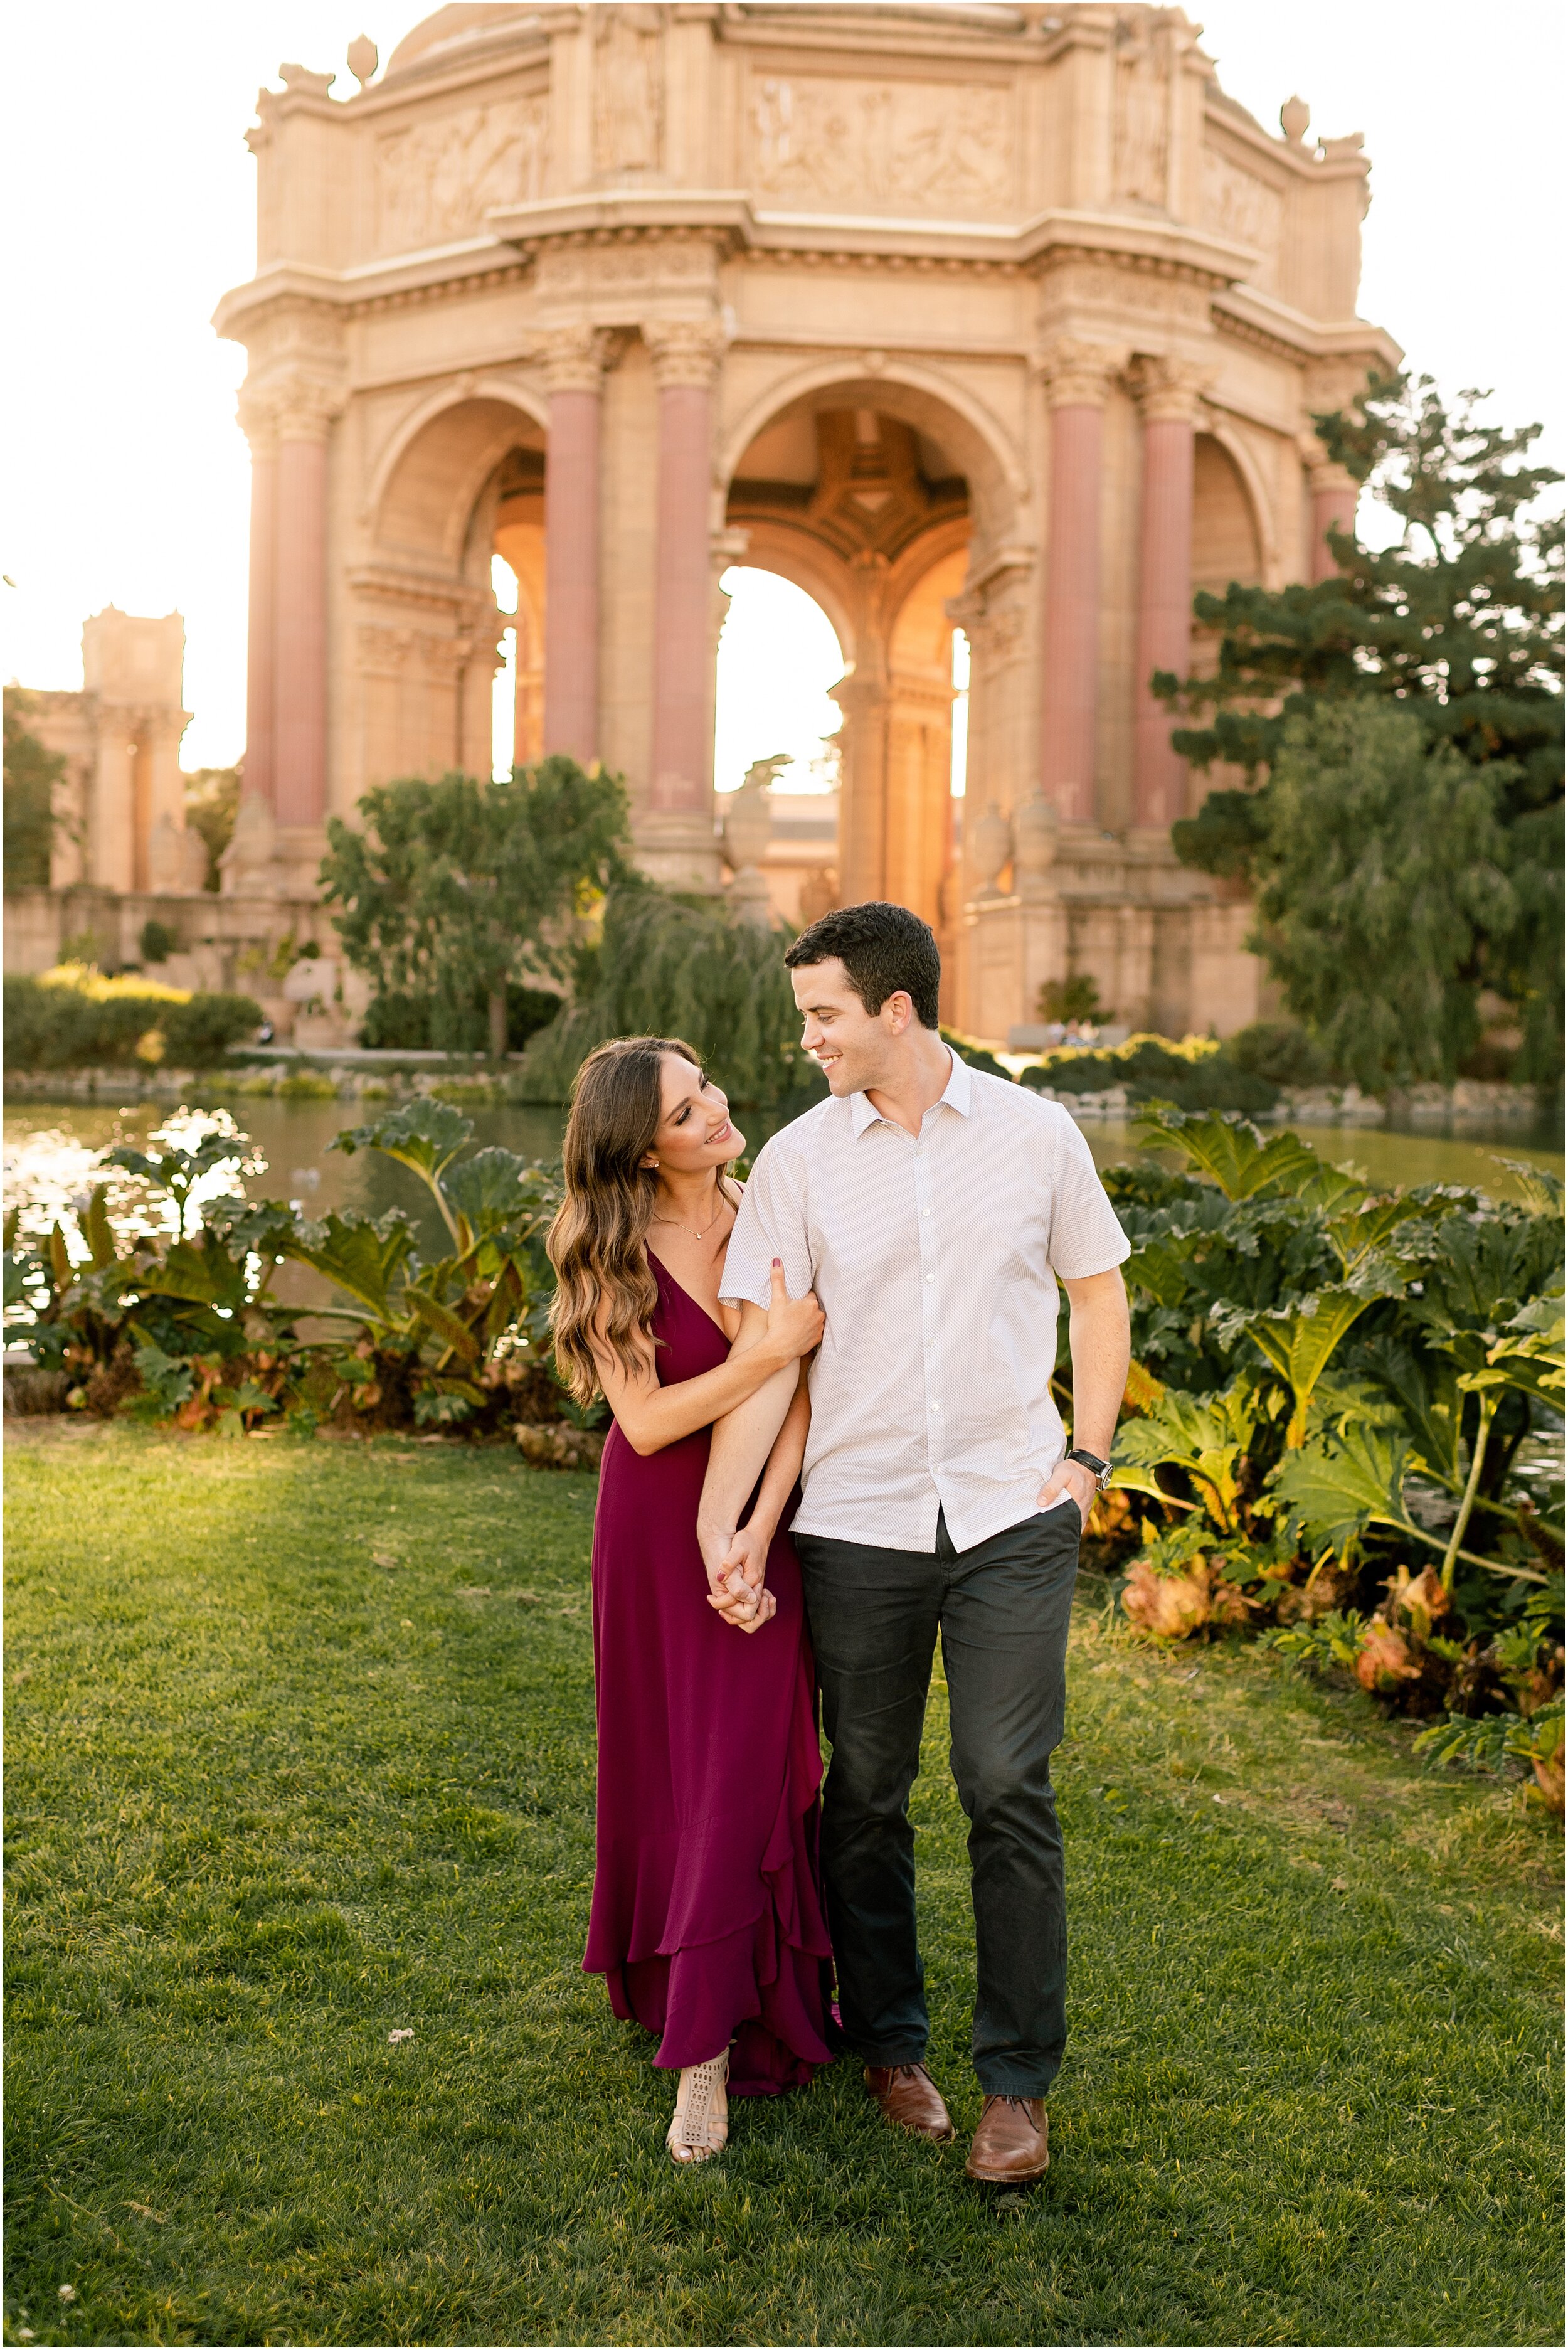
<point x="852" y="1047"/>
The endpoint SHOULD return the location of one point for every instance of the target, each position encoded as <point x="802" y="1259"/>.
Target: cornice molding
<point x="1302" y="163"/>
<point x="1260" y="320"/>
<point x="395" y="584"/>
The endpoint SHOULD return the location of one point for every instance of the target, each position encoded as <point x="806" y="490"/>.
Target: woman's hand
<point x="736" y="1589"/>
<point x="795" y="1325"/>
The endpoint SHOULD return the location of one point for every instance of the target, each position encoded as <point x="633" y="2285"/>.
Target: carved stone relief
<point x="1142" y="120"/>
<point x="1073" y="285"/>
<point x="628" y="89"/>
<point x="575" y="267"/>
<point x="436" y="180"/>
<point x="883" y="142"/>
<point x="1238" y="206"/>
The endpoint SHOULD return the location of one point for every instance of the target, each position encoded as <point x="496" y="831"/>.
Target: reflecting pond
<point x="49" y="1151"/>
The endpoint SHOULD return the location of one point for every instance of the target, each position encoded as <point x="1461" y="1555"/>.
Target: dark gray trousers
<point x="1002" y="1610"/>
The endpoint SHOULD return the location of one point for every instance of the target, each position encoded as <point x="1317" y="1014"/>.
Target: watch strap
<point x="1099" y="1470"/>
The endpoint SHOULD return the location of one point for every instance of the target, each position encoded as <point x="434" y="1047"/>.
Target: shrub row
<point x="1195" y="1074"/>
<point x="75" y="1018"/>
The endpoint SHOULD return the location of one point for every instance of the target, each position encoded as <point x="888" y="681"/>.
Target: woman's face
<point x="694" y="1127"/>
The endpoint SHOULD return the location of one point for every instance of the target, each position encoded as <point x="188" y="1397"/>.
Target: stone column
<point x="863" y="798"/>
<point x="528" y="691"/>
<point x="111" y="824"/>
<point x="300" y="634"/>
<point x="1333" y="502"/>
<point x="573" y="360"/>
<point x="1167" y="392"/>
<point x="161" y="733"/>
<point x="260" y="652"/>
<point x="676" y="834"/>
<point x="160" y="861"/>
<point x="1077" y="381"/>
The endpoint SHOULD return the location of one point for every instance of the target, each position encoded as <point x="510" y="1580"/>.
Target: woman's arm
<point x="736" y="1583"/>
<point x="650" y="1416"/>
<point x="783" y="1465"/>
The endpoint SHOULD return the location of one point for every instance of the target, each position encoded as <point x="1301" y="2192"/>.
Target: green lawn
<point x="282" y="1781"/>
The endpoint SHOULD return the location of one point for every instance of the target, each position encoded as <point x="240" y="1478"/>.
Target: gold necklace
<point x="703" y="1233"/>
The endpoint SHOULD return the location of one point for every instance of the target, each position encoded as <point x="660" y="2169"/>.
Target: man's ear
<point x="899" y="1010"/>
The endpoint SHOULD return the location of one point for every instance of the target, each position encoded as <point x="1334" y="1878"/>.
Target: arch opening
<point x="451" y="605"/>
<point x="856" y="496"/>
<point x="1225" y="541"/>
<point x="779" y="660"/>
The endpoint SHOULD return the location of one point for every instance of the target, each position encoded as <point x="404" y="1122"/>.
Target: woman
<point x="707" y="1918"/>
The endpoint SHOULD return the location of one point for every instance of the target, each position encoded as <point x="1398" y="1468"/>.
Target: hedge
<point x="1195" y="1074"/>
<point x="73" y="1017"/>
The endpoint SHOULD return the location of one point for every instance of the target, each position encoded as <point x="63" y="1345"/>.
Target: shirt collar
<point x="956" y="1092"/>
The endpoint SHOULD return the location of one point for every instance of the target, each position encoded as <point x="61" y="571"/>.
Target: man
<point x="933" y="1210"/>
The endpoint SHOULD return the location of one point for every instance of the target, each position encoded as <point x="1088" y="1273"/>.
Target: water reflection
<point x="51" y="1173"/>
<point x="51" y="1155"/>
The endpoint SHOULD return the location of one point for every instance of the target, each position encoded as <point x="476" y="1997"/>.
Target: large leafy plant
<point x="182" y="1326"/>
<point x="1342" y="1378"/>
<point x="446" y="1335"/>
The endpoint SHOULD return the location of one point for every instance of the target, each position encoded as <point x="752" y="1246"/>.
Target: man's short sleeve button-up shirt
<point x="935" y="1257"/>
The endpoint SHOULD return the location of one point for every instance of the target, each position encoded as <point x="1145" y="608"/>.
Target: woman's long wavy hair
<point x="597" y="1242"/>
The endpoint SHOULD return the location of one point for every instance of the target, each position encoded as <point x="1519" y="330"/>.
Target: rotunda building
<point x="997" y="318"/>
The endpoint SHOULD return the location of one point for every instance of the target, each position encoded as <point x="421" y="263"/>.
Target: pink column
<point x="685" y="359"/>
<point x="261" y="649"/>
<point x="1078" y="378"/>
<point x="573" y="361"/>
<point x="1333" y="501"/>
<point x="1165" y="587"/>
<point x="300" y="675"/>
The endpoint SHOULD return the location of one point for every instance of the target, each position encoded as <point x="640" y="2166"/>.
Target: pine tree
<point x="1459" y="622"/>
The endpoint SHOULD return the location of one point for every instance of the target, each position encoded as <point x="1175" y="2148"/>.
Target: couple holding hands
<point x="834" y="1437"/>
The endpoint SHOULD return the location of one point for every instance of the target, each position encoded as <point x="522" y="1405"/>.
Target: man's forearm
<point x="742" y="1442"/>
<point x="1102" y="1349"/>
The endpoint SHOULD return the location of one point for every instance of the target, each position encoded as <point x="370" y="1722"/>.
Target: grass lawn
<point x="301" y="1754"/>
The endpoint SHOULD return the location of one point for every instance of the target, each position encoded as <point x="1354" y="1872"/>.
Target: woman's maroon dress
<point x="707" y="1918"/>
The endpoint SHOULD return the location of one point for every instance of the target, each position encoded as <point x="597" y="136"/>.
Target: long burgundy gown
<point x="707" y="1920"/>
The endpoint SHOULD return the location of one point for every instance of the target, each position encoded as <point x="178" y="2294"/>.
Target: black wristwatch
<point x="1099" y="1470"/>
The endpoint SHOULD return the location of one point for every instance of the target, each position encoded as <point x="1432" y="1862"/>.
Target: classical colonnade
<point x="289" y="645"/>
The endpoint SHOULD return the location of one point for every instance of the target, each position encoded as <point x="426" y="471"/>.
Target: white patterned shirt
<point x="934" y="1258"/>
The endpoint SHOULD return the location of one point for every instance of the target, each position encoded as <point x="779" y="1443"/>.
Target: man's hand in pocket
<point x="1071" y="1478"/>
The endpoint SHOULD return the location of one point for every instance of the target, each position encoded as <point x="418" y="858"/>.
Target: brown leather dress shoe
<point x="910" y="2099"/>
<point x="1010" y="2147"/>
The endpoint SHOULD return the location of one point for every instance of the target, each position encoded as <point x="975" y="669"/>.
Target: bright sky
<point x="131" y="196"/>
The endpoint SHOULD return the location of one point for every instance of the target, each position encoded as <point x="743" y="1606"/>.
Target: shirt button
<point x="930" y="1276"/>
<point x="925" y="1212"/>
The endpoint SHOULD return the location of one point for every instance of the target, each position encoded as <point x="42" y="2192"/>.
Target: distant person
<point x="707" y="1920"/>
<point x="933" y="1210"/>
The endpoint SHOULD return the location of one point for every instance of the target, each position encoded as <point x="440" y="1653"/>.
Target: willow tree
<point x="669" y="966"/>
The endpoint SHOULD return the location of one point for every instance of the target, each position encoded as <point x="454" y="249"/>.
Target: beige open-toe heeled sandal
<point x="697" y="2132"/>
